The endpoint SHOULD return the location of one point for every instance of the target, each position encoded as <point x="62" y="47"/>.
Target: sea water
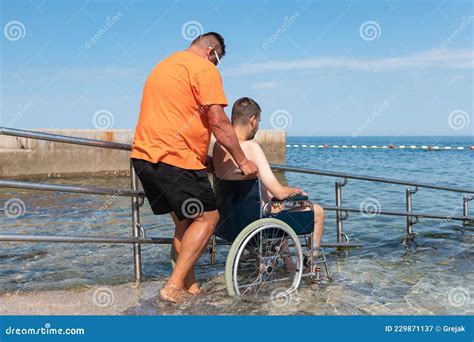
<point x="431" y="274"/>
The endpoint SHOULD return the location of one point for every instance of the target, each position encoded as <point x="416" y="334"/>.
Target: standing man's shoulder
<point x="207" y="86"/>
<point x="194" y="63"/>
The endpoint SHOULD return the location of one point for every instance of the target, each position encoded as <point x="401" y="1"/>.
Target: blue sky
<point x="315" y="67"/>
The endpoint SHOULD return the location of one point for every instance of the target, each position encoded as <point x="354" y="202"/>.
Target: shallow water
<point x="432" y="274"/>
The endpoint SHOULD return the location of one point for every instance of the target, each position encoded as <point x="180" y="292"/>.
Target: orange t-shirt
<point x="173" y="127"/>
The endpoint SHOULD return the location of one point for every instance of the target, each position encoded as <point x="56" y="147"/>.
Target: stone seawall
<point x="24" y="158"/>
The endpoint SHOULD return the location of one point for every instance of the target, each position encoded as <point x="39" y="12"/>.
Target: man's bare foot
<point x="194" y="289"/>
<point x="307" y="264"/>
<point x="173" y="294"/>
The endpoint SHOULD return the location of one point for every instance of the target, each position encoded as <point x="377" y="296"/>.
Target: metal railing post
<point x="338" y="188"/>
<point x="137" y="254"/>
<point x="465" y="208"/>
<point x="410" y="222"/>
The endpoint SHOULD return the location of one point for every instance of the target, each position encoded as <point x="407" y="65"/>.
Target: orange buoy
<point x="392" y="146"/>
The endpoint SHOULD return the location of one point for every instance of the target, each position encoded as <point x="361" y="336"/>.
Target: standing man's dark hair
<point x="215" y="40"/>
<point x="211" y="40"/>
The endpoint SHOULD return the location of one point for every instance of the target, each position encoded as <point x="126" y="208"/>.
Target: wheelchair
<point x="269" y="252"/>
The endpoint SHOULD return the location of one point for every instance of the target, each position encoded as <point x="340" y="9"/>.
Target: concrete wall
<point x="26" y="158"/>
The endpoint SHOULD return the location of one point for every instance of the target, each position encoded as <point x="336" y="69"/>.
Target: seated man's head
<point x="246" y="116"/>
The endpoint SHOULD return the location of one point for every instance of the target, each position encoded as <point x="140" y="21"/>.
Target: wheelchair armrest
<point x="298" y="198"/>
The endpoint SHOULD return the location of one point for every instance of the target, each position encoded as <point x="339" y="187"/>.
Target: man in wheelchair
<point x="246" y="115"/>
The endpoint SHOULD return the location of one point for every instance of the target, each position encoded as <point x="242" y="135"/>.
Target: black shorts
<point x="187" y="193"/>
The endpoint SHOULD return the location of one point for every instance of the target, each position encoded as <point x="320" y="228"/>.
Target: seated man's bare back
<point x="225" y="166"/>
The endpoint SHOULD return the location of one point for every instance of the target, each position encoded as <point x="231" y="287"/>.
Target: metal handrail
<point x="64" y="139"/>
<point x="131" y="193"/>
<point x="121" y="239"/>
<point x="369" y="178"/>
<point x="137" y="199"/>
<point x="398" y="213"/>
<point x="69" y="188"/>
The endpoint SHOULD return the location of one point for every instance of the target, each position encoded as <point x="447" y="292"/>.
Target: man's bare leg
<point x="318" y="226"/>
<point x="193" y="244"/>
<point x="190" y="283"/>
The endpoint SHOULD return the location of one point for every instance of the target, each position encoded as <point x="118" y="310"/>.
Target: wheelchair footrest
<point x="315" y="271"/>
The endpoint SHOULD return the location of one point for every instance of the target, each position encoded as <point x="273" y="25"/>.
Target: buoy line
<point x="390" y="147"/>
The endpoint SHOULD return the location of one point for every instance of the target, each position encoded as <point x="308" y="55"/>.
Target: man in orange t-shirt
<point x="182" y="105"/>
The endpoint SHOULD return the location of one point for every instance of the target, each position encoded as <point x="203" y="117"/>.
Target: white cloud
<point x="265" y="85"/>
<point x="436" y="58"/>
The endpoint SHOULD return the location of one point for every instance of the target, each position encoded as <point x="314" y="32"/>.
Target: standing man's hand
<point x="248" y="168"/>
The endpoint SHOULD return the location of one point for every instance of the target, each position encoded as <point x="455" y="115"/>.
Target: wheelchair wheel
<point x="266" y="259"/>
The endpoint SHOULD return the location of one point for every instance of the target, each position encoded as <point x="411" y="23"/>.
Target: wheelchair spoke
<point x="251" y="275"/>
<point x="269" y="261"/>
<point x="255" y="281"/>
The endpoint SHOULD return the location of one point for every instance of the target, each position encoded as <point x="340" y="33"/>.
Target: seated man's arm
<point x="280" y="192"/>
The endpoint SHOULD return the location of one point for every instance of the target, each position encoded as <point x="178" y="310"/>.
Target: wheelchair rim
<point x="271" y="260"/>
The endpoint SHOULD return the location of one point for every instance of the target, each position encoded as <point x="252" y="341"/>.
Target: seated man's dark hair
<point x="243" y="110"/>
